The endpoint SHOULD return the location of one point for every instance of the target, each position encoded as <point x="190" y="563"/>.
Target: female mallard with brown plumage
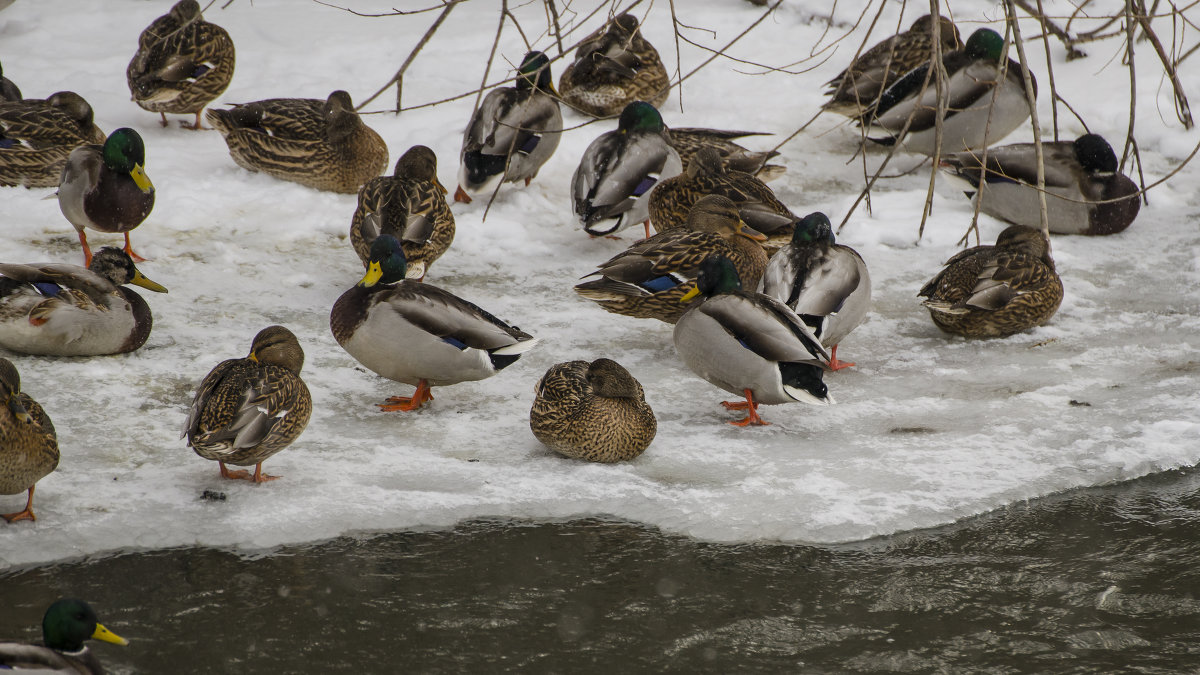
<point x="996" y="291"/>
<point x="648" y="279"/>
<point x="689" y="140"/>
<point x="321" y="144"/>
<point x="248" y="409"/>
<point x="28" y="444"/>
<point x="672" y="200"/>
<point x="592" y="411"/>
<point x="105" y="188"/>
<point x="417" y="333"/>
<point x="36" y="137"/>
<point x="67" y="624"/>
<point x="182" y="63"/>
<point x="614" y="67"/>
<point x="411" y="206"/>
<point x="67" y="310"/>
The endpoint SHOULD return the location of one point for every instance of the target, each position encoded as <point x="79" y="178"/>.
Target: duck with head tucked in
<point x="687" y="141"/>
<point x="66" y="626"/>
<point x="320" y="144"/>
<point x="28" y="444"/>
<point x="417" y="333"/>
<point x="1081" y="177"/>
<point x="996" y="291"/>
<point x="182" y="63"/>
<point x="410" y="205"/>
<point x="614" y="67"/>
<point x="985" y="100"/>
<point x="749" y="344"/>
<point x="611" y="187"/>
<point x="825" y="283"/>
<point x="856" y="90"/>
<point x="648" y="279"/>
<point x="36" y="137"/>
<point x="247" y="410"/>
<point x="57" y="309"/>
<point x="513" y="133"/>
<point x="592" y="411"/>
<point x="105" y="188"/>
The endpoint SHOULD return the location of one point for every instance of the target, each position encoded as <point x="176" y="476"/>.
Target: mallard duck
<point x="105" y="187"/>
<point x="825" y="283"/>
<point x="1081" y="175"/>
<point x="513" y="133"/>
<point x="856" y="89"/>
<point x="977" y="114"/>
<point x="411" y="206"/>
<point x="36" y="137"/>
<point x="996" y="291"/>
<point x="321" y="144"/>
<point x="687" y="141"/>
<point x="614" y="67"/>
<point x="648" y="279"/>
<point x="182" y="63"/>
<point x="749" y="344"/>
<point x="592" y="411"/>
<point x="611" y="186"/>
<point x="8" y="90"/>
<point x="28" y="444"/>
<point x="67" y="623"/>
<point x="66" y="310"/>
<point x="248" y="409"/>
<point x="419" y="334"/>
<point x="674" y="197"/>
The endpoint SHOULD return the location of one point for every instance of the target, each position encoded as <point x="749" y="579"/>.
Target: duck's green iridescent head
<point x="641" y="116"/>
<point x="1095" y="154"/>
<point x="535" y="73"/>
<point x="812" y="228"/>
<point x="717" y="275"/>
<point x="124" y="152"/>
<point x="985" y="43"/>
<point x="68" y="622"/>
<point x="387" y="264"/>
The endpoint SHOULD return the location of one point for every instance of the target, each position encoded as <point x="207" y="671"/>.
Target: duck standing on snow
<point x="1081" y="175"/>
<point x="614" y="67"/>
<point x="592" y="411"/>
<point x="36" y="137"/>
<point x="248" y="409"/>
<point x="749" y="344"/>
<point x="824" y="282"/>
<point x="66" y="625"/>
<point x="28" y="444"/>
<point x="648" y="279"/>
<point x="996" y="291"/>
<point x="105" y="188"/>
<point x="513" y="133"/>
<point x="419" y="334"/>
<point x="855" y="91"/>
<point x="66" y="310"/>
<point x="977" y="114"/>
<point x="182" y="63"/>
<point x="611" y="187"/>
<point x="321" y="144"/>
<point x="410" y="205"/>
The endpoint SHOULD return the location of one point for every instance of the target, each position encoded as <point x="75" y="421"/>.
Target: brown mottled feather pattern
<point x="28" y="450"/>
<point x="46" y="132"/>
<point x="161" y="75"/>
<point x="576" y="413"/>
<point x="398" y="200"/>
<point x="614" y="67"/>
<point x="687" y="141"/>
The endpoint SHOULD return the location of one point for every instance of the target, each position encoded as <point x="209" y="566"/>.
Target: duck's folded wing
<point x="447" y="316"/>
<point x="203" y="392"/>
<point x="765" y="327"/>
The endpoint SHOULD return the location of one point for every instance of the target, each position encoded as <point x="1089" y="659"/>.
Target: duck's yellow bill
<point x="690" y="294"/>
<point x="140" y="279"/>
<point x="373" y="275"/>
<point x="19" y="410"/>
<point x="141" y="179"/>
<point x="105" y="635"/>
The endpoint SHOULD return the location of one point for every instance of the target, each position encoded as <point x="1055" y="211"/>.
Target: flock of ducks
<point x="759" y="297"/>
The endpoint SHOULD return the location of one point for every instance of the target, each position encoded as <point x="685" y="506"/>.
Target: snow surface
<point x="928" y="428"/>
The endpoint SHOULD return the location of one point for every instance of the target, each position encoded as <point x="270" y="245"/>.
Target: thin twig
<point x="398" y="78"/>
<point x="1011" y="12"/>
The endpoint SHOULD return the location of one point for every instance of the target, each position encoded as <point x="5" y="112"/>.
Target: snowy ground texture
<point x="928" y="428"/>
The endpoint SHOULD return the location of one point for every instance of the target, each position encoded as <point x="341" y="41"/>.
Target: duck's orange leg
<point x="164" y="119"/>
<point x="460" y="195"/>
<point x="259" y="476"/>
<point x="239" y="473"/>
<point x="197" y="126"/>
<point x="834" y="364"/>
<point x="749" y="405"/>
<point x="87" y="250"/>
<point x="646" y="224"/>
<point x="26" y="514"/>
<point x="129" y="250"/>
<point x="408" y="403"/>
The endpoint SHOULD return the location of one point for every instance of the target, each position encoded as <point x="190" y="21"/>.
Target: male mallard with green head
<point x="28" y="444"/>
<point x="248" y="409"/>
<point x="66" y="625"/>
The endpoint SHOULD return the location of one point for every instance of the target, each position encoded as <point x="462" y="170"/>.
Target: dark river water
<point x="1095" y="581"/>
